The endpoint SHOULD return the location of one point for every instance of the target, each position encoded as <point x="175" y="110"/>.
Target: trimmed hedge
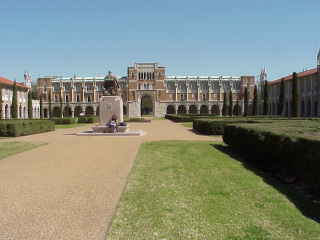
<point x="15" y="128"/>
<point x="188" y="118"/>
<point x="290" y="148"/>
<point x="88" y="119"/>
<point x="66" y="120"/>
<point x="215" y="127"/>
<point x="139" y="120"/>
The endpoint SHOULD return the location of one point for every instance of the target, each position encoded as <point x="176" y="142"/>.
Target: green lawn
<point x="11" y="148"/>
<point x="192" y="190"/>
<point x="57" y="126"/>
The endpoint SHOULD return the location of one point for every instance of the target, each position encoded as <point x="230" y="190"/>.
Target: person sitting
<point x="113" y="125"/>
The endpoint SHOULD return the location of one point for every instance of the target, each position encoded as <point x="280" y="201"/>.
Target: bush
<point x="88" y="119"/>
<point x="216" y="127"/>
<point x="15" y="128"/>
<point x="66" y="120"/>
<point x="290" y="148"/>
<point x="138" y="120"/>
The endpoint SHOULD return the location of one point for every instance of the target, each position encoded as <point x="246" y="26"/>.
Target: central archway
<point x="146" y="105"/>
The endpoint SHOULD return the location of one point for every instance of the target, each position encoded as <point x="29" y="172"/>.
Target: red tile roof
<point x="8" y="82"/>
<point x="299" y="75"/>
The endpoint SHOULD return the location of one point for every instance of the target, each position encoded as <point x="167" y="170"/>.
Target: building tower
<point x="27" y="79"/>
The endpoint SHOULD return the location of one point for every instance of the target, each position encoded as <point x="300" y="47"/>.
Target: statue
<point x="111" y="85"/>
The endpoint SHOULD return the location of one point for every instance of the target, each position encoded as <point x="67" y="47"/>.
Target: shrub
<point x="288" y="147"/>
<point x="88" y="119"/>
<point x="138" y="120"/>
<point x="15" y="128"/>
<point x="216" y="127"/>
<point x="66" y="120"/>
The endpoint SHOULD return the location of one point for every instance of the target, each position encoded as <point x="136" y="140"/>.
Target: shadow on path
<point x="308" y="206"/>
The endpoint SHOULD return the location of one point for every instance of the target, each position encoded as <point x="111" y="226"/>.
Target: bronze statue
<point x="111" y="85"/>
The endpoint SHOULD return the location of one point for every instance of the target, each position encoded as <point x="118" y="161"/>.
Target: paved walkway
<point x="69" y="188"/>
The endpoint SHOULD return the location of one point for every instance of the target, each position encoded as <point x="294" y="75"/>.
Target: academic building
<point x="308" y="92"/>
<point x="6" y="88"/>
<point x="146" y="90"/>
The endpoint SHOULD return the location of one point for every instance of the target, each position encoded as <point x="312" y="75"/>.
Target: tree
<point x="14" y="104"/>
<point x="230" y="103"/>
<point x="265" y="98"/>
<point x="49" y="105"/>
<point x="246" y="103"/>
<point x="295" y="96"/>
<point x="255" y="101"/>
<point x="34" y="92"/>
<point x="30" y="112"/>
<point x="225" y="107"/>
<point x="281" y="97"/>
<point x="41" y="107"/>
<point x="61" y="111"/>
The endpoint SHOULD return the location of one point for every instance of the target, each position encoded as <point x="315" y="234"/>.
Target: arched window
<point x="89" y="98"/>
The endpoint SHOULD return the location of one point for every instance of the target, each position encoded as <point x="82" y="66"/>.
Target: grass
<point x="57" y="126"/>
<point x="192" y="190"/>
<point x="11" y="148"/>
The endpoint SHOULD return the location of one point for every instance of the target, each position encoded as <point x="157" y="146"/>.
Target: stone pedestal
<point x="110" y="105"/>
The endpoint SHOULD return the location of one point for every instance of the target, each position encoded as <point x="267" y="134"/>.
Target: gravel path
<point x="69" y="188"/>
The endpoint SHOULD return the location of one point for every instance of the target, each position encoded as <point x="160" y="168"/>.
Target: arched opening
<point x="77" y="111"/>
<point x="67" y="111"/>
<point x="24" y="112"/>
<point x="56" y="112"/>
<point x="215" y="110"/>
<point x="6" y="112"/>
<point x="98" y="111"/>
<point x="302" y="109"/>
<point x="182" y="109"/>
<point x="204" y="110"/>
<point x="124" y="110"/>
<point x="193" y="109"/>
<point x="146" y="105"/>
<point x="45" y="113"/>
<point x="309" y="109"/>
<point x="236" y="110"/>
<point x="171" y="109"/>
<point x="315" y="109"/>
<point x="20" y="112"/>
<point x="89" y="111"/>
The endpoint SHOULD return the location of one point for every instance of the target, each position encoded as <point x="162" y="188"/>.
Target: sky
<point x="203" y="37"/>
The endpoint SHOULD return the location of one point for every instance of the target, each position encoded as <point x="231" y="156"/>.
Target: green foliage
<point x="246" y="102"/>
<point x="65" y="120"/>
<point x="30" y="112"/>
<point x="15" y="128"/>
<point x="14" y="104"/>
<point x="281" y="98"/>
<point x="295" y="96"/>
<point x="88" y="119"/>
<point x="34" y="92"/>
<point x="41" y="107"/>
<point x="216" y="126"/>
<point x="138" y="120"/>
<point x="255" y="101"/>
<point x="50" y="105"/>
<point x="225" y="105"/>
<point x="230" y="103"/>
<point x="265" y="98"/>
<point x="288" y="147"/>
<point x="61" y="107"/>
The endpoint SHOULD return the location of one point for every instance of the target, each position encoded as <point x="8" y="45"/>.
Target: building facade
<point x="308" y="92"/>
<point x="146" y="90"/>
<point x="6" y="87"/>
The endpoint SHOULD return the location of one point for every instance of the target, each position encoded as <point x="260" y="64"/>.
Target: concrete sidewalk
<point x="69" y="188"/>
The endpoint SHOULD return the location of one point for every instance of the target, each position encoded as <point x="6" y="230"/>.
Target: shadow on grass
<point x="308" y="206"/>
